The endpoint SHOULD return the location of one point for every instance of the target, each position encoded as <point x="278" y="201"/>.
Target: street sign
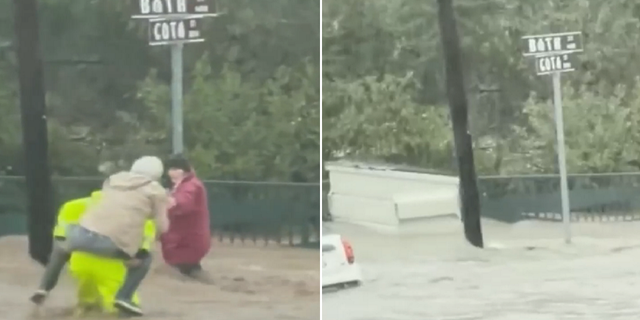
<point x="552" y="43"/>
<point x="553" y="63"/>
<point x="174" y="31"/>
<point x="146" y="9"/>
<point x="552" y="54"/>
<point x="174" y="23"/>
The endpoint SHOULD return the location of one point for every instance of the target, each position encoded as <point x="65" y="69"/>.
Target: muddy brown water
<point x="527" y="272"/>
<point x="252" y="282"/>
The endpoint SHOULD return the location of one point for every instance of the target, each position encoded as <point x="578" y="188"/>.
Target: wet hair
<point x="178" y="161"/>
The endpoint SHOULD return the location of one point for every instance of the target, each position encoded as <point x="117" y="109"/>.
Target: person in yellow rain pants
<point x="98" y="278"/>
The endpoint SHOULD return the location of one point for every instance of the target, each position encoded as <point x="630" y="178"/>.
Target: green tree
<point x="241" y="130"/>
<point x="373" y="41"/>
<point x="108" y="98"/>
<point x="600" y="131"/>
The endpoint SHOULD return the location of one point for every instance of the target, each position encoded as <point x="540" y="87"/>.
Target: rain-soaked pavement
<point x="526" y="273"/>
<point x="251" y="283"/>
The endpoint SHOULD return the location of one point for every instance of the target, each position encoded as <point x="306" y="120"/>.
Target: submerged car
<point x="339" y="267"/>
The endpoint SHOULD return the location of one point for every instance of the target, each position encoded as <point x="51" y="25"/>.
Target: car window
<point x="328" y="247"/>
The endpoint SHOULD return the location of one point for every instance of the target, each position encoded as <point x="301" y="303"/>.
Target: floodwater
<point x="251" y="282"/>
<point x="527" y="272"/>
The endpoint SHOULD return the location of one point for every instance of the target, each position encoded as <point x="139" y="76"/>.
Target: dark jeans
<point x="81" y="239"/>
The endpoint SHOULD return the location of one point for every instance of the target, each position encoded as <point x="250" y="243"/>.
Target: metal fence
<point x="261" y="212"/>
<point x="326" y="214"/>
<point x="593" y="197"/>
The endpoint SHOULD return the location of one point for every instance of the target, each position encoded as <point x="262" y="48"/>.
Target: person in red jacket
<point x="188" y="239"/>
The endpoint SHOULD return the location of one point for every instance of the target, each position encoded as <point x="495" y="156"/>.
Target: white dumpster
<point x="388" y="198"/>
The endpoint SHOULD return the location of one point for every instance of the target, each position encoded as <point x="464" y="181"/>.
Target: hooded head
<point x="148" y="166"/>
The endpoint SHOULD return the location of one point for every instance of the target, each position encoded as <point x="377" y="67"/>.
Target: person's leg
<point x="188" y="269"/>
<point x="59" y="257"/>
<point x="103" y="246"/>
<point x="111" y="274"/>
<point x="83" y="240"/>
<point x="135" y="274"/>
<point x="201" y="275"/>
<point x="195" y="272"/>
<point x="84" y="267"/>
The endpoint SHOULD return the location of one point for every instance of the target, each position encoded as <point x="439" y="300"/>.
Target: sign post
<point x="552" y="56"/>
<point x="174" y="23"/>
<point x="177" y="138"/>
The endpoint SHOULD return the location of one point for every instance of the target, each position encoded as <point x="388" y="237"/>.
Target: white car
<point x="339" y="267"/>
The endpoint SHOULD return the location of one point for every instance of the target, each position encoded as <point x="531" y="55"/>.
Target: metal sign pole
<point x="174" y="23"/>
<point x="562" y="161"/>
<point x="176" y="98"/>
<point x="552" y="56"/>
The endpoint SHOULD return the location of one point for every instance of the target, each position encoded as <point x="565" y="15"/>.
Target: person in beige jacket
<point x="114" y="227"/>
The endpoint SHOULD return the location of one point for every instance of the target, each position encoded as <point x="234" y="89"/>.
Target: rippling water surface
<point x="527" y="272"/>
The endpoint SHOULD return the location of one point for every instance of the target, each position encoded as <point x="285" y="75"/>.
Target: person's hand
<point x="133" y="262"/>
<point x="172" y="202"/>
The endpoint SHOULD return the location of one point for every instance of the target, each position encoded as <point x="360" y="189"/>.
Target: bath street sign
<point x="567" y="42"/>
<point x="146" y="9"/>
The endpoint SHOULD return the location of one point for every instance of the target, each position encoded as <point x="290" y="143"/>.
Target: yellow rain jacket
<point x="98" y="278"/>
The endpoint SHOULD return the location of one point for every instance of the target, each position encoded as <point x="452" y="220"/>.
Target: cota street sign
<point x="567" y="42"/>
<point x="174" y="30"/>
<point x="554" y="63"/>
<point x="146" y="9"/>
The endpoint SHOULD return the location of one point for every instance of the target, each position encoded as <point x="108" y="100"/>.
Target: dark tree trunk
<point x="456" y="95"/>
<point x="34" y="131"/>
